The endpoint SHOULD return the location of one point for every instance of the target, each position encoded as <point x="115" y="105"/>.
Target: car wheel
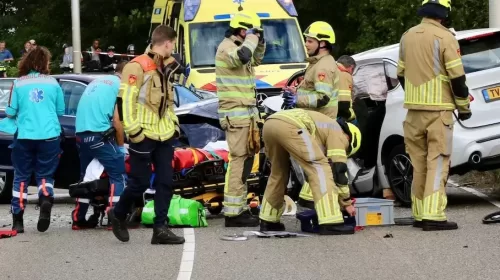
<point x="6" y="182"/>
<point x="400" y="174"/>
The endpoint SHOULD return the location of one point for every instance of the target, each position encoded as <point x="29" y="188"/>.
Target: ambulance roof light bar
<point x="288" y="6"/>
<point x="191" y="8"/>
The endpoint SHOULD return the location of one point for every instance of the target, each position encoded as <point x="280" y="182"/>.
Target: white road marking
<point x="476" y="193"/>
<point x="187" y="261"/>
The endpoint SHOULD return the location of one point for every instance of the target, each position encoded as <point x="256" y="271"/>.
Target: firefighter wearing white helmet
<point x="321" y="146"/>
<point x="241" y="50"/>
<point x="320" y="87"/>
<point x="431" y="72"/>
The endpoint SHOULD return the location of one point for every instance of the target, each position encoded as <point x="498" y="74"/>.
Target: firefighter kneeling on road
<point x="431" y="72"/>
<point x="241" y="50"/>
<point x="97" y="123"/>
<point x="302" y="134"/>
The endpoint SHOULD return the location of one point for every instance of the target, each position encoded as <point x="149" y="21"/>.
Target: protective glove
<point x="261" y="38"/>
<point x="289" y="99"/>
<point x="254" y="31"/>
<point x="464" y="116"/>
<point x="122" y="150"/>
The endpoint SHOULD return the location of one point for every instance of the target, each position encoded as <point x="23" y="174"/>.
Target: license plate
<point x="491" y="94"/>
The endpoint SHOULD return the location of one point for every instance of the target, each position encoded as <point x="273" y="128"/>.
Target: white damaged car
<point x="378" y="103"/>
<point x="476" y="141"/>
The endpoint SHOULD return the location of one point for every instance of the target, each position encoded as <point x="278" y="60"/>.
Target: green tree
<point x="382" y="22"/>
<point x="116" y="22"/>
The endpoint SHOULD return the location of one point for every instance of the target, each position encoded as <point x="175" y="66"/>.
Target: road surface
<point x="396" y="252"/>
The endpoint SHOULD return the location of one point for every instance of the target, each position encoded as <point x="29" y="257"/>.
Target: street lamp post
<point x="494" y="13"/>
<point x="75" y="26"/>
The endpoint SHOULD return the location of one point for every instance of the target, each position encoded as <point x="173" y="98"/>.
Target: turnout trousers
<point x="92" y="145"/>
<point x="282" y="140"/>
<point x="142" y="154"/>
<point x="40" y="157"/>
<point x="428" y="140"/>
<point x="239" y="168"/>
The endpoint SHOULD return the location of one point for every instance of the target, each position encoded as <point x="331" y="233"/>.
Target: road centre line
<point x="187" y="261"/>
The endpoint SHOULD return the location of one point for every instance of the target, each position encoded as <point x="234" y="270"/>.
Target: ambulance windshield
<point x="284" y="42"/>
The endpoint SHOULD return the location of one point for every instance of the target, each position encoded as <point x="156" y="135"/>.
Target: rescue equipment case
<point x="374" y="212"/>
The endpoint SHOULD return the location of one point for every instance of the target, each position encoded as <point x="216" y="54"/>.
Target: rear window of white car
<point x="480" y="52"/>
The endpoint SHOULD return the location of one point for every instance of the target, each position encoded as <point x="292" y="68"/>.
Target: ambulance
<point x="202" y="24"/>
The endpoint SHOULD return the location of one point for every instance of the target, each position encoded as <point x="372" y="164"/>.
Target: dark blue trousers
<point x="40" y="157"/>
<point x="91" y="145"/>
<point x="141" y="156"/>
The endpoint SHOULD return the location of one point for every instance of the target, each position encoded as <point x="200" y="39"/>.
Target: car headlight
<point x="71" y="66"/>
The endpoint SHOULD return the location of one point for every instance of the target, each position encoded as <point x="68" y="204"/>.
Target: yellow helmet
<point x="355" y="139"/>
<point x="321" y="31"/>
<point x="246" y="20"/>
<point x="444" y="3"/>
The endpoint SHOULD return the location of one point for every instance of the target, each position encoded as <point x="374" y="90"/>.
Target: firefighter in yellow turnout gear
<point x="241" y="50"/>
<point x="319" y="89"/>
<point x="346" y="65"/>
<point x="320" y="145"/>
<point x="431" y="72"/>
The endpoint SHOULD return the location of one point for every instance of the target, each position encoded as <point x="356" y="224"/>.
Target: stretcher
<point x="198" y="174"/>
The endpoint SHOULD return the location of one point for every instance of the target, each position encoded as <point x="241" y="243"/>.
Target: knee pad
<point x="339" y="170"/>
<point x="247" y="168"/>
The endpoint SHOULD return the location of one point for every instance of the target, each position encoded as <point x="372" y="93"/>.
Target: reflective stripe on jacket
<point x="235" y="78"/>
<point x="326" y="131"/>
<point x="429" y="57"/>
<point x="345" y="90"/>
<point x="320" y="88"/>
<point x="147" y="100"/>
<point x="36" y="103"/>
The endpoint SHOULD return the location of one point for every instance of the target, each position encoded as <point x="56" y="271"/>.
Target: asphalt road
<point x="396" y="252"/>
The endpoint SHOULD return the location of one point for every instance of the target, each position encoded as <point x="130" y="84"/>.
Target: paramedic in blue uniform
<point x="36" y="102"/>
<point x="99" y="135"/>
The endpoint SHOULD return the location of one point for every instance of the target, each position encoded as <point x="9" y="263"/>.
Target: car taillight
<point x="209" y="87"/>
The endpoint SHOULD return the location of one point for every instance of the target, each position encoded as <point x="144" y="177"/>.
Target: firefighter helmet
<point x="321" y="31"/>
<point x="444" y="3"/>
<point x="246" y="20"/>
<point x="355" y="138"/>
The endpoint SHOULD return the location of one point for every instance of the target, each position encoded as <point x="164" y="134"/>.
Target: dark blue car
<point x="68" y="171"/>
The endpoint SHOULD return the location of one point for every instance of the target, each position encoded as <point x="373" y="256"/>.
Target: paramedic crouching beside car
<point x="97" y="124"/>
<point x="36" y="102"/>
<point x="145" y="107"/>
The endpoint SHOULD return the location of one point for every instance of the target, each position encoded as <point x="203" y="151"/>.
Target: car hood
<point x="186" y="108"/>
